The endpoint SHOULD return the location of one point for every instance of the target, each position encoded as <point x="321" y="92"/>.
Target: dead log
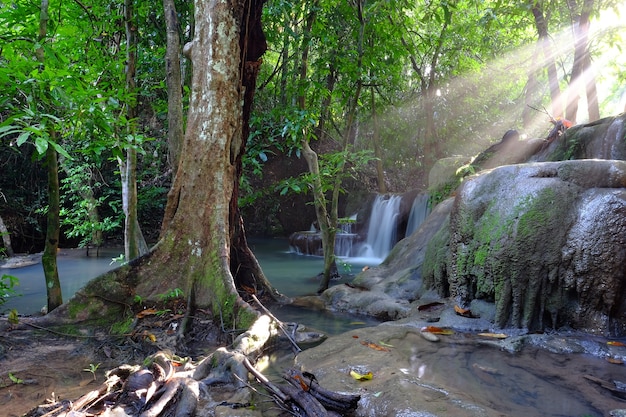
<point x="331" y="400"/>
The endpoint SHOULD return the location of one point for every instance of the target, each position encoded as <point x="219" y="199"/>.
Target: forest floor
<point x="38" y="366"/>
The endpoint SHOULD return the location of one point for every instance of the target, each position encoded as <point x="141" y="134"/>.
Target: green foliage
<point x="336" y="165"/>
<point x="80" y="212"/>
<point x="122" y="327"/>
<point x="171" y="295"/>
<point x="15" y="379"/>
<point x="92" y="368"/>
<point x="7" y="285"/>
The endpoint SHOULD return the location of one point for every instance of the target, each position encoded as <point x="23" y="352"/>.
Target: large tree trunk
<point x="201" y="221"/>
<point x="175" y="125"/>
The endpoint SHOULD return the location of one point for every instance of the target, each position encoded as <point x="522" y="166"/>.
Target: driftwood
<point x="164" y="387"/>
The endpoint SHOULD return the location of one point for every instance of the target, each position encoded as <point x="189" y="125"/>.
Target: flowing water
<point x="531" y="383"/>
<point x="381" y="233"/>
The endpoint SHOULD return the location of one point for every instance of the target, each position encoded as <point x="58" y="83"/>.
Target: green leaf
<point x="60" y="150"/>
<point x="41" y="144"/>
<point x="23" y="138"/>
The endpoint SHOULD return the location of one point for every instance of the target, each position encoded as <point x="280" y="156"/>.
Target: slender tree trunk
<point x="175" y="128"/>
<point x="324" y="218"/>
<point x="380" y="172"/>
<point x="582" y="75"/>
<point x="6" y="239"/>
<point x="284" y="57"/>
<point x="331" y="79"/>
<point x="532" y="91"/>
<point x="49" y="258"/>
<point x="548" y="60"/>
<point x="330" y="265"/>
<point x="431" y="148"/>
<point x="134" y="242"/>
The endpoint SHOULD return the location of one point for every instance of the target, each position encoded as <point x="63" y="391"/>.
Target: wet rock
<point x="545" y="242"/>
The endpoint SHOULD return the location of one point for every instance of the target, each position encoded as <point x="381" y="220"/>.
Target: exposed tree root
<point x="165" y="386"/>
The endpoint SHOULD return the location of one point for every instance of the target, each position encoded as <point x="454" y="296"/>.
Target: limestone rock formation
<point x="545" y="242"/>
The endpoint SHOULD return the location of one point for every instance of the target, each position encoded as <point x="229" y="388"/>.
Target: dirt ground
<point x="36" y="366"/>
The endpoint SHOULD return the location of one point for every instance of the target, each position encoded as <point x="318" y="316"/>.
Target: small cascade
<point x="345" y="237"/>
<point x="381" y="232"/>
<point x="419" y="211"/>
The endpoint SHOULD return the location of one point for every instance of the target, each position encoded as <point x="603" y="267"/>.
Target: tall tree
<point x="582" y="72"/>
<point x="548" y="62"/>
<point x="175" y="122"/>
<point x="201" y="249"/>
<point x="134" y="242"/>
<point x="53" y="228"/>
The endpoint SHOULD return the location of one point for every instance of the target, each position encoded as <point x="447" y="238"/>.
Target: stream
<point x="533" y="382"/>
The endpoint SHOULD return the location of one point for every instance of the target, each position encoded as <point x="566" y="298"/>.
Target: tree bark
<point x="175" y="122"/>
<point x="49" y="258"/>
<point x="6" y="239"/>
<point x="134" y="242"/>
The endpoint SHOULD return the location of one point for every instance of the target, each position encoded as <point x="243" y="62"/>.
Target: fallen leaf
<point x="146" y="312"/>
<point x="615" y="343"/>
<point x="380" y="342"/>
<point x="437" y="330"/>
<point x="616" y="361"/>
<point x="361" y="377"/>
<point x="494" y="335"/>
<point x="355" y="336"/>
<point x="303" y="384"/>
<point x="429" y="306"/>
<point x="375" y="346"/>
<point x="465" y="312"/>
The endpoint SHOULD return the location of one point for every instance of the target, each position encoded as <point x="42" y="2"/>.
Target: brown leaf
<point x="429" y="306"/>
<point x="465" y="312"/>
<point x="146" y="312"/>
<point x="437" y="330"/>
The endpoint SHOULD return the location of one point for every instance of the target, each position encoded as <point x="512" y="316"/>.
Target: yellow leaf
<point x="361" y="377"/>
<point x="375" y="346"/>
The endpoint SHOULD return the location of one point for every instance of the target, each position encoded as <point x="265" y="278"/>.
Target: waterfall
<point x="345" y="237"/>
<point x="381" y="232"/>
<point x="419" y="211"/>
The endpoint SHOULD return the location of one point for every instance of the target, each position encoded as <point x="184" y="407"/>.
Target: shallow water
<point x="291" y="274"/>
